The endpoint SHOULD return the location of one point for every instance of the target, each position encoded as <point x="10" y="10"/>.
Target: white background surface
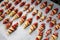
<point x="22" y="34"/>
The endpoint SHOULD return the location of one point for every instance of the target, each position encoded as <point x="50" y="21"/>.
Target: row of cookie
<point x="7" y="4"/>
<point x="27" y="23"/>
<point x="48" y="32"/>
<point x="51" y="24"/>
<point x="16" y="2"/>
<point x="16" y="16"/>
<point x="54" y="36"/>
<point x="48" y="8"/>
<point x="12" y="12"/>
<point x="54" y="11"/>
<point x="20" y="13"/>
<point x="11" y="28"/>
<point x="32" y="1"/>
<point x="22" y="19"/>
<point x="39" y="16"/>
<point x="40" y="31"/>
<point x="29" y="20"/>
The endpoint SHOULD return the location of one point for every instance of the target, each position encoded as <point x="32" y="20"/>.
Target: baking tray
<point x="22" y="34"/>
